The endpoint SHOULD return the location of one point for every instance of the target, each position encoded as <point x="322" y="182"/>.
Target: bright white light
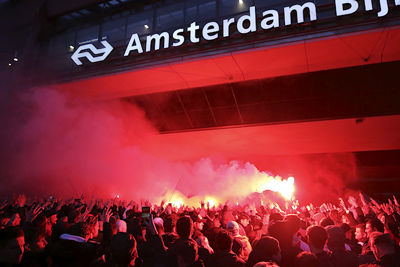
<point x="117" y="196"/>
<point x="177" y="203"/>
<point x="211" y="202"/>
<point x="9" y="64"/>
<point x="276" y="184"/>
<point x="241" y="2"/>
<point x="71" y="48"/>
<point x="15" y="59"/>
<point x="146" y="26"/>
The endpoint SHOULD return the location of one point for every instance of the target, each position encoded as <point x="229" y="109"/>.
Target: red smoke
<point x="57" y="147"/>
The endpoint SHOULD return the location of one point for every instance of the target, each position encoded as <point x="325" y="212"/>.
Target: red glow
<point x="109" y="149"/>
<point x="380" y="45"/>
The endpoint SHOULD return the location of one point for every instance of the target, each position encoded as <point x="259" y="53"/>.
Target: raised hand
<point x="3" y="204"/>
<point x="323" y="208"/>
<point x="162" y="205"/>
<point x="362" y="198"/>
<point x="106" y="215"/>
<point x="89" y="208"/>
<point x="395" y="201"/>
<point x="387" y="208"/>
<point x="91" y="204"/>
<point x="352" y="201"/>
<point x="34" y="211"/>
<point x="375" y="203"/>
<point x="331" y="207"/>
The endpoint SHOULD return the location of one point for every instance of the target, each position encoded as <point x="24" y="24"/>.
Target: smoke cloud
<point x="54" y="146"/>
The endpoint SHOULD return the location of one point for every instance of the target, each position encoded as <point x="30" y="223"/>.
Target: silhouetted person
<point x="122" y="253"/>
<point x="384" y="249"/>
<point x="265" y="249"/>
<point x="170" y="235"/>
<point x="306" y="259"/>
<point x="336" y="244"/>
<point x="12" y="243"/>
<point x="224" y="256"/>
<point x="184" y="229"/>
<point x="123" y="250"/>
<point x="317" y="237"/>
<point x="72" y="248"/>
<point x="284" y="232"/>
<point x="187" y="254"/>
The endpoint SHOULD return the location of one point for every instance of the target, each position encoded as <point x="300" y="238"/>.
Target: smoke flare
<point x="54" y="146"/>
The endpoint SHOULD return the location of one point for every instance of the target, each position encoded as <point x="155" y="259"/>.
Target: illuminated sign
<point x="212" y="30"/>
<point x="100" y="53"/>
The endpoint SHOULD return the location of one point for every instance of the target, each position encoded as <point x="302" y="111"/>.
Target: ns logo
<point x="99" y="54"/>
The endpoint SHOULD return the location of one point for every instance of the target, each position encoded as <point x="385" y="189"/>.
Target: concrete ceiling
<point x="252" y="143"/>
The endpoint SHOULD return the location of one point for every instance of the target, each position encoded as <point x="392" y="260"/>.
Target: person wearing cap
<point x="204" y="249"/>
<point x="198" y="225"/>
<point x="244" y="224"/>
<point x="241" y="245"/>
<point x="52" y="216"/>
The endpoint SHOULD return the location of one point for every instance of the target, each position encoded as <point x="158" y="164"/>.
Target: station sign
<point x="245" y="24"/>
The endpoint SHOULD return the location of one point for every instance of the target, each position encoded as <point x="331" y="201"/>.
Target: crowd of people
<point x="358" y="231"/>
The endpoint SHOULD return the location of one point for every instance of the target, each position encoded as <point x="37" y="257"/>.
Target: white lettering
<point x="251" y="18"/>
<point x="384" y="8"/>
<point x="340" y="9"/>
<point x="368" y="5"/>
<point x="210" y="31"/>
<point x="192" y="29"/>
<point x="300" y="12"/>
<point x="178" y="37"/>
<point x="244" y="24"/>
<point x="270" y="20"/>
<point x="134" y="44"/>
<point x="157" y="41"/>
<point x="227" y="23"/>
